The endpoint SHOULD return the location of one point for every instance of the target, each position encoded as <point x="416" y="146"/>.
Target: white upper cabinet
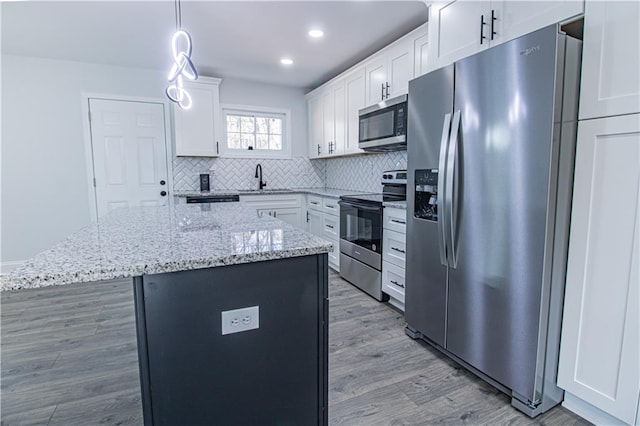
<point x="355" y="92"/>
<point x="420" y="54"/>
<point x="388" y="72"/>
<point x="333" y="108"/>
<point x="610" y="59"/>
<point x="455" y="30"/>
<point x="461" y="28"/>
<point x="198" y="129"/>
<point x="316" y="126"/>
<point x="517" y="18"/>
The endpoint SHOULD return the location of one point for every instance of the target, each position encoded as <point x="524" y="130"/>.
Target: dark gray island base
<point x="192" y="374"/>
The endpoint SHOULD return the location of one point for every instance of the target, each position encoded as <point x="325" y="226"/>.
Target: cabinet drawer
<point x="274" y="201"/>
<point x="393" y="281"/>
<point x="330" y="206"/>
<point x="331" y="228"/>
<point x="394" y="247"/>
<point x="395" y="219"/>
<point x="314" y="202"/>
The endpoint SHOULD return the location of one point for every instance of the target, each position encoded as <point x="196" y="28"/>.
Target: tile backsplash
<point x="358" y="173"/>
<point x="239" y="173"/>
<point x="362" y="172"/>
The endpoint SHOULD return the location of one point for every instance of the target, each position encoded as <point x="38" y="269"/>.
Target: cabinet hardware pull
<point x="397" y="283"/>
<point x="387" y="90"/>
<point x="482" y="24"/>
<point x="330" y="206"/>
<point x="382" y="93"/>
<point x="318" y="149"/>
<point x="330" y="226"/>
<point x="399" y="221"/>
<point x="493" y="20"/>
<point x="275" y="214"/>
<point x="307" y="216"/>
<point x="315" y="203"/>
<point x="398" y="250"/>
<point x="217" y="147"/>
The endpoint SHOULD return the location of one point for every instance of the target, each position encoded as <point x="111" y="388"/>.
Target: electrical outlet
<point x="242" y="319"/>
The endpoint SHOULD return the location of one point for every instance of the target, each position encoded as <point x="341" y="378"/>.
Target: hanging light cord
<point x="182" y="64"/>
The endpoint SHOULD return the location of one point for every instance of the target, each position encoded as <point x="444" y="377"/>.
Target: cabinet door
<point x="316" y="129"/>
<point x="376" y="71"/>
<point x="315" y="222"/>
<point x="327" y="121"/>
<point x="610" y="59"/>
<point x="356" y="100"/>
<point x="455" y="30"/>
<point x="399" y="67"/>
<point x="420" y="55"/>
<point x="517" y="18"/>
<point x="339" y="119"/>
<point x="289" y="215"/>
<point x="599" y="351"/>
<point x="195" y="128"/>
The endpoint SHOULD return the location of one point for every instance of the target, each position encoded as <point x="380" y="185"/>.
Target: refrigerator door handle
<point x="450" y="194"/>
<point x="442" y="244"/>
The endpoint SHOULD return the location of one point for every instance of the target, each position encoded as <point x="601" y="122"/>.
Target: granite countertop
<point x="149" y="240"/>
<point x="320" y="191"/>
<point x="395" y="204"/>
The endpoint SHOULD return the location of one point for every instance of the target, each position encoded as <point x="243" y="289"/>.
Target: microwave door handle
<point x="444" y="141"/>
<point x="451" y="189"/>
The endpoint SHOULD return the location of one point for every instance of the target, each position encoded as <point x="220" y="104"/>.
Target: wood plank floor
<point x="69" y="357"/>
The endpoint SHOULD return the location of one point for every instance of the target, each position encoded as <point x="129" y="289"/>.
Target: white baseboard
<point x="588" y="411"/>
<point x="6" y="267"/>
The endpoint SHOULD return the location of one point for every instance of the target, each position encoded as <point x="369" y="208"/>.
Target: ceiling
<point x="241" y="39"/>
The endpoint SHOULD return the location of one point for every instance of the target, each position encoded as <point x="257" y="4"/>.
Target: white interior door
<point x="129" y="154"/>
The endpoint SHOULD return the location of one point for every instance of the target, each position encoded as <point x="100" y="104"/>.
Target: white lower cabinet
<point x="323" y="220"/>
<point x="286" y="207"/>
<point x="599" y="365"/>
<point x="394" y="229"/>
<point x="393" y="281"/>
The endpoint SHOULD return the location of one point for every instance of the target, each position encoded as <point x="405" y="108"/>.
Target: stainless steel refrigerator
<point x="491" y="142"/>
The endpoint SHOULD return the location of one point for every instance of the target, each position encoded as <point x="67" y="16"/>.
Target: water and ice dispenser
<point x="426" y="194"/>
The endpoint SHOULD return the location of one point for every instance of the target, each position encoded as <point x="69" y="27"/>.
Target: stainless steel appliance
<point x="491" y="143"/>
<point x="383" y="126"/>
<point x="361" y="233"/>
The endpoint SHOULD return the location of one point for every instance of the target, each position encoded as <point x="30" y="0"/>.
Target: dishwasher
<point x="199" y="199"/>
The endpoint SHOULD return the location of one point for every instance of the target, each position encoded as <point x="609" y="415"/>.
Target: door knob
<point x="162" y="182"/>
<point x="163" y="193"/>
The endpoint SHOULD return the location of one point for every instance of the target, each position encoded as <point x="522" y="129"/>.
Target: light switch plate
<point x="242" y="319"/>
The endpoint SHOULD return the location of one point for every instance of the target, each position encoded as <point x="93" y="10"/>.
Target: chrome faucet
<point x="262" y="184"/>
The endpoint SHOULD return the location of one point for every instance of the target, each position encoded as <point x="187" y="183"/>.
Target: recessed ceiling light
<point x="286" y="61"/>
<point x="316" y="33"/>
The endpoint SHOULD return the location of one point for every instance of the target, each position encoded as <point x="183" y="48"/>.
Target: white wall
<point x="44" y="186"/>
<point x="242" y="92"/>
<point x="44" y="190"/>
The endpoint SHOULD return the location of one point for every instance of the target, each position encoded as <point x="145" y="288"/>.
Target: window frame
<point x="231" y="109"/>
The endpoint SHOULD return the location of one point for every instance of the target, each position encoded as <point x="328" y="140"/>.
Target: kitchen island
<point x="189" y="265"/>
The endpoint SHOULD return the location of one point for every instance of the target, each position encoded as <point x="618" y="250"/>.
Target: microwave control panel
<point x="426" y="194"/>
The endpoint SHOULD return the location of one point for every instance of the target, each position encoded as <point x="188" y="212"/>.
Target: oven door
<point x="361" y="232"/>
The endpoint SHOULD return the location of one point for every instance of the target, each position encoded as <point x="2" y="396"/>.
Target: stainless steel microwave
<point x="383" y="126"/>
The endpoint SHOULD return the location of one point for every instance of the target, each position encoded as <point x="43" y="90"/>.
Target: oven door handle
<point x="360" y="206"/>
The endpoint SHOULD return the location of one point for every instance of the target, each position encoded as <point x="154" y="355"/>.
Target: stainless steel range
<point x="361" y="233"/>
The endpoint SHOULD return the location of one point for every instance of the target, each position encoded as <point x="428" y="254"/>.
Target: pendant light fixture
<point x="182" y="66"/>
